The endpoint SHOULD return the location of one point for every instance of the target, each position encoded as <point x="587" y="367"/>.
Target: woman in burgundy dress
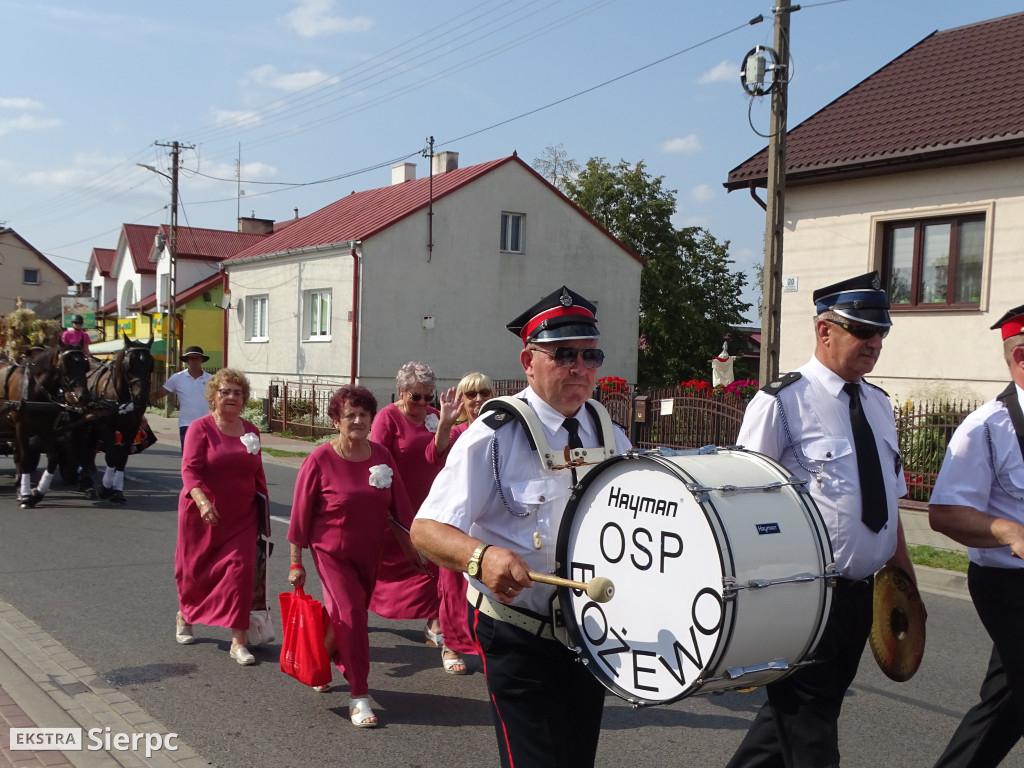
<point x="459" y="408"/>
<point x="222" y="473"/>
<point x="406" y="428"/>
<point x="343" y="495"/>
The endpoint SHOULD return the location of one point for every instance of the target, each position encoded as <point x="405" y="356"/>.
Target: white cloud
<point x="314" y="18"/>
<point x="19" y="104"/>
<point x="267" y="75"/>
<point x="687" y="145"/>
<point x="726" y="72"/>
<point x="27" y="123"/>
<point x="236" y="117"/>
<point x="702" y="193"/>
<point x="84" y="169"/>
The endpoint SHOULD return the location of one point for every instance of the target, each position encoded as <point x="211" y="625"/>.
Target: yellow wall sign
<point x="158" y="324"/>
<point x="127" y="326"/>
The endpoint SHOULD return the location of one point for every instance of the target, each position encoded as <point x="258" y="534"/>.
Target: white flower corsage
<point x="251" y="441"/>
<point x="380" y="476"/>
<point x="431" y="422"/>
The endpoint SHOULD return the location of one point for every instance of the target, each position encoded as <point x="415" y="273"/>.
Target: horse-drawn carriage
<point x="59" y="402"/>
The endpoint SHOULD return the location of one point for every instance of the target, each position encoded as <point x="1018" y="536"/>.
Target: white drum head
<point x="634" y="521"/>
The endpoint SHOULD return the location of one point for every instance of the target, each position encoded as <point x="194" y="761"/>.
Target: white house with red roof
<point x="917" y="172"/>
<point x="426" y="269"/>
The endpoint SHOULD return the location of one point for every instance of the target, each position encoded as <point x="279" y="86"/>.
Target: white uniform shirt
<point x="191" y="394"/>
<point x="466" y="496"/>
<point x="983" y="469"/>
<point x="816" y="412"/>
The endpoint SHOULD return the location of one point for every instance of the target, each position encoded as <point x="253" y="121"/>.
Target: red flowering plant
<point x="610" y="384"/>
<point x="694" y="388"/>
<point x="742" y="388"/>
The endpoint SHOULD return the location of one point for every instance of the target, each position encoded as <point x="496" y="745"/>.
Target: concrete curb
<point x="56" y="689"/>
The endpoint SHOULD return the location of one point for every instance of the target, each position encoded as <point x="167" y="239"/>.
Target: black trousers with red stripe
<point x="546" y="705"/>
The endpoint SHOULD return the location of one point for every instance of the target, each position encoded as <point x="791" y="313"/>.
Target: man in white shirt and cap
<point x="829" y="427"/>
<point x="494" y="512"/>
<point x="190" y="387"/>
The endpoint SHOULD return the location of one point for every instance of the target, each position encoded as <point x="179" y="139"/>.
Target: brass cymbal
<point x="897" y="630"/>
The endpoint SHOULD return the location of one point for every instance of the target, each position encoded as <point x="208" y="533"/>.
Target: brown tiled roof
<point x="101" y="259"/>
<point x="139" y="238"/>
<point x="363" y="214"/>
<point x="210" y="244"/>
<point x="953" y="97"/>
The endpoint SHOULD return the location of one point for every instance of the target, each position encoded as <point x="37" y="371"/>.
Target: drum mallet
<point x="599" y="589"/>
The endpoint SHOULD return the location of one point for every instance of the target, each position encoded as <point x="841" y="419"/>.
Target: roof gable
<point x="138" y="240"/>
<point x="949" y="96"/>
<point x="38" y="254"/>
<point x="363" y="214"/>
<point x="101" y="259"/>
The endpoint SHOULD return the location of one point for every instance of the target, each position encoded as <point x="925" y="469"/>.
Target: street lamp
<point x="172" y="278"/>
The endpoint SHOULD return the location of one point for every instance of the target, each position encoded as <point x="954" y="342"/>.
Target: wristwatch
<point x="473" y="566"/>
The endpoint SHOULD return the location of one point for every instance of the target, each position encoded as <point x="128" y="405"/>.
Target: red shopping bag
<point x="303" y="653"/>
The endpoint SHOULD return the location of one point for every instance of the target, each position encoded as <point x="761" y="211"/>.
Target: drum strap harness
<point x="505" y="410"/>
<point x="1008" y="397"/>
<point x="533" y="623"/>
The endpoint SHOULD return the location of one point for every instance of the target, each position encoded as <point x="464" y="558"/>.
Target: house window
<point x="935" y="263"/>
<point x="258" y="330"/>
<point x="318" y="314"/>
<point x="31" y="277"/>
<point x="512" y="232"/>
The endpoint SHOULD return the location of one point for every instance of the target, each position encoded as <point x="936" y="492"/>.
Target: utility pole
<point x="170" y="332"/>
<point x="776" y="198"/>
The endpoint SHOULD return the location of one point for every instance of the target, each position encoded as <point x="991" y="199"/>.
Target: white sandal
<point x="360" y="712"/>
<point x="183" y="631"/>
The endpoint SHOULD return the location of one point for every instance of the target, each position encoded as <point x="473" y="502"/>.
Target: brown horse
<point x="120" y="393"/>
<point x="41" y="397"/>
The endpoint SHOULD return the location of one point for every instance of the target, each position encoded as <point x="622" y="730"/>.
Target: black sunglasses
<point x="566" y="356"/>
<point x="471" y="395"/>
<point x="862" y="332"/>
<point x="415" y="397"/>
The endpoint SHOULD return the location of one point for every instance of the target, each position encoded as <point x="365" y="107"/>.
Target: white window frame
<point x="316" y="317"/>
<point x="257" y="322"/>
<point x="511" y="237"/>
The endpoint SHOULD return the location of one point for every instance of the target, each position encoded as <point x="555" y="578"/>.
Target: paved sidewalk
<point x="43" y="684"/>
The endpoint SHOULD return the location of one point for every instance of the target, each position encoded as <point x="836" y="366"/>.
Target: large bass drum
<point x="721" y="566"/>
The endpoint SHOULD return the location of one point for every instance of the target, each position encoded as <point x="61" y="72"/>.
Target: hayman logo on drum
<point x="641" y="504"/>
<point x="707" y="596"/>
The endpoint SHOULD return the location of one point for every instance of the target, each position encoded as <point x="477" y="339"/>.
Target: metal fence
<point x="672" y="417"/>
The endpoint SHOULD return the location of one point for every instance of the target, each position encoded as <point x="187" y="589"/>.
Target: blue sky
<point x="308" y="90"/>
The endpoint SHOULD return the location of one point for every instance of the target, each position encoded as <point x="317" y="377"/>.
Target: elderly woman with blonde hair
<point x="222" y="474"/>
<point x="460" y="407"/>
<point x="405" y="428"/>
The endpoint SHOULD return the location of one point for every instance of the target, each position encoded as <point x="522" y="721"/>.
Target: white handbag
<point x="261" y="628"/>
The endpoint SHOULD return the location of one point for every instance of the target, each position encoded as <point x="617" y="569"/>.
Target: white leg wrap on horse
<point x="118" y="481"/>
<point x="44" y="482"/>
<point x="108" y="477"/>
<point x="26" y="484"/>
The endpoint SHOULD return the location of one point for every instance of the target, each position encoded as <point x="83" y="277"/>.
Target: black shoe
<point x="104" y="493"/>
<point x="117" y="497"/>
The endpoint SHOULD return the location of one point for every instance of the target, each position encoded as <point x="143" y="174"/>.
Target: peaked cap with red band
<point x="560" y="316"/>
<point x="1012" y="323"/>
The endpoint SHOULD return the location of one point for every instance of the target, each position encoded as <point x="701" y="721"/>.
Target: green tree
<point x="689" y="295"/>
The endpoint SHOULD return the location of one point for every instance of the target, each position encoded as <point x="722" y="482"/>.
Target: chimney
<point x="403" y="172"/>
<point x="254" y="226"/>
<point x="445" y="161"/>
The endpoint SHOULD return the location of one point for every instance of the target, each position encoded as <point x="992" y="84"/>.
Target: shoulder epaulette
<point x="876" y="387"/>
<point x="774" y="387"/>
<point x="499" y="415"/>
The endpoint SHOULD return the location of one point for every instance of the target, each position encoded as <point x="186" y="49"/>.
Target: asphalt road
<point x="99" y="579"/>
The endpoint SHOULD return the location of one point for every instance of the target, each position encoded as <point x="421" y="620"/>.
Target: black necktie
<point x="572" y="426"/>
<point x="874" y="508"/>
